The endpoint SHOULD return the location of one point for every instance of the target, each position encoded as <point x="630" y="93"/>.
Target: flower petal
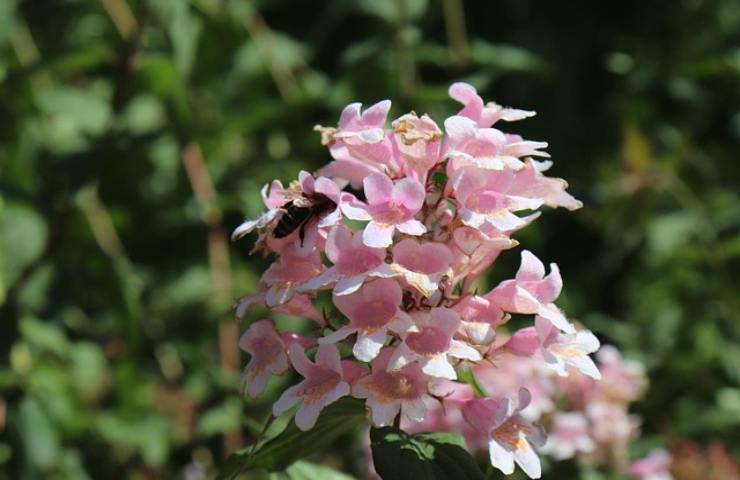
<point x="378" y="235"/>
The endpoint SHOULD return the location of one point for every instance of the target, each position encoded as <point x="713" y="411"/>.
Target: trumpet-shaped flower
<point x="430" y="343"/>
<point x="561" y="350"/>
<point x="372" y="311"/>
<point x="484" y="148"/>
<point x="354" y="262"/>
<point x="480" y="318"/>
<point x="532" y="292"/>
<point x="389" y="207"/>
<point x="388" y="392"/>
<point x="568" y="435"/>
<point x="274" y="197"/>
<point x="264" y="344"/>
<point x="484" y="115"/>
<point x="532" y="183"/>
<point x="418" y="142"/>
<point x="323" y="384"/>
<point x="655" y="466"/>
<point x="510" y="435"/>
<point x="422" y="264"/>
<point x="359" y="145"/>
<point x="483" y="198"/>
<point x="284" y="277"/>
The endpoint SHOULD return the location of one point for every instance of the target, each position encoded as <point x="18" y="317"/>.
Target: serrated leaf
<point x="400" y="455"/>
<point x="293" y="444"/>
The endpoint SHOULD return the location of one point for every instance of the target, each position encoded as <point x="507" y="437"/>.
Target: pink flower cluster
<point x="425" y="212"/>
<point x="586" y="419"/>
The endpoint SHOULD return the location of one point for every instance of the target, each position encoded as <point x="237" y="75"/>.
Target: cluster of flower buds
<point x="586" y="419"/>
<point x="397" y="228"/>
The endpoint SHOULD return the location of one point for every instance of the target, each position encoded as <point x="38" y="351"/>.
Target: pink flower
<point x="475" y="250"/>
<point x="559" y="350"/>
<point x="480" y="318"/>
<point x="530" y="182"/>
<point x="372" y="311"/>
<point x="388" y="392"/>
<point x="273" y="201"/>
<point x="422" y="264"/>
<point x="354" y="263"/>
<point x="286" y="275"/>
<point x="484" y="148"/>
<point x="357" y="127"/>
<point x="483" y="198"/>
<point x="418" y="142"/>
<point x="569" y="434"/>
<point x="484" y="115"/>
<point x="510" y="435"/>
<point x="532" y="292"/>
<point x="389" y="207"/>
<point x="298" y="306"/>
<point x="323" y="384"/>
<point x="430" y="342"/>
<point x="656" y="466"/>
<point x="264" y="344"/>
<point x="623" y="380"/>
<point x="611" y="424"/>
<point x="359" y="145"/>
<point x="567" y="349"/>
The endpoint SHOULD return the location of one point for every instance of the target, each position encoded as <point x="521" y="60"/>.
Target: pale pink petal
<point x="462" y="351"/>
<point x="378" y="188"/>
<point x="350" y="114"/>
<point x="299" y="360"/>
<point x="375" y="115"/>
<point x="524" y="342"/>
<point x="337" y="336"/>
<point x="412" y="227"/>
<point x="409" y="193"/>
<point x="415" y="410"/>
<point x="531" y="269"/>
<point x="331" y="219"/>
<point x="353" y="208"/>
<point x="367" y="346"/>
<point x="328" y="356"/>
<point x="325" y="278"/>
<point x="287" y="400"/>
<point x="257" y="383"/>
<point x="348" y="285"/>
<point x="501" y="458"/>
<point x="378" y="235"/>
<point x="401" y="357"/>
<point x="527" y="459"/>
<point x="553" y="313"/>
<point x="383" y="414"/>
<point x="439" y="366"/>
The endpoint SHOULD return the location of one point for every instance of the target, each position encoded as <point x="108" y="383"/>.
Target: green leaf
<point x="40" y="439"/>
<point x="292" y="444"/>
<point x="399" y="455"/>
<point x="22" y="239"/>
<point x="221" y="418"/>
<point x="302" y="470"/>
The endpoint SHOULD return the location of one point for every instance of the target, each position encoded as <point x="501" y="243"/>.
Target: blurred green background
<point x="134" y="135"/>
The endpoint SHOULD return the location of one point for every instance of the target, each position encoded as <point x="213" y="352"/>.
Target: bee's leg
<point x="302" y="233"/>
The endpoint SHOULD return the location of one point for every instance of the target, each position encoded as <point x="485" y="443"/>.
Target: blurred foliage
<point x="115" y="284"/>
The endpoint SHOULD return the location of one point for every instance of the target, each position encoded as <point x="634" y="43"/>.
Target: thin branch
<point x="454" y="15"/>
<point x="264" y="40"/>
<point x="218" y="259"/>
<point x="122" y="17"/>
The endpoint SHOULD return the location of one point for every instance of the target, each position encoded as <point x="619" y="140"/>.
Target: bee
<point x="299" y="212"/>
